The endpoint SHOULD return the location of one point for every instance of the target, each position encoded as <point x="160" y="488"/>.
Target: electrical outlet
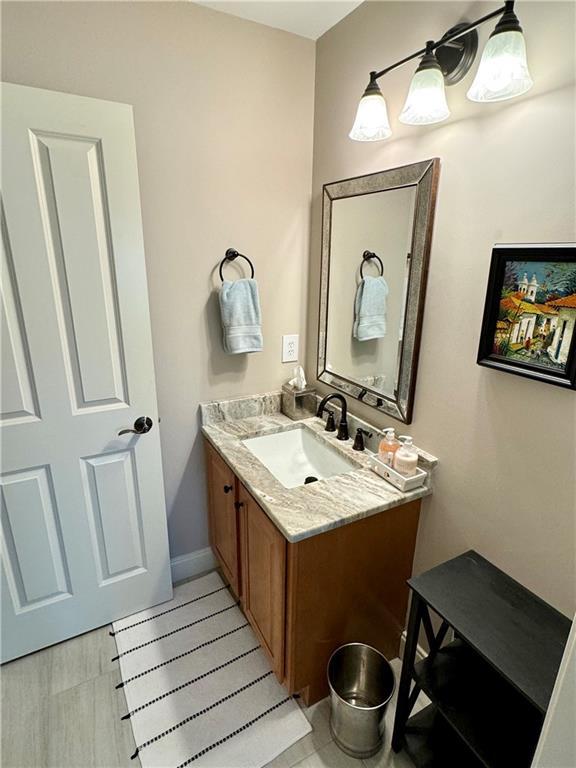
<point x="290" y="348"/>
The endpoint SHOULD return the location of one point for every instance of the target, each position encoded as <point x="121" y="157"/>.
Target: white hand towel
<point x="241" y="318"/>
<point x="370" y="309"/>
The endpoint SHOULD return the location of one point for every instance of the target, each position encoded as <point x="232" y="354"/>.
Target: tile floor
<point x="60" y="709"/>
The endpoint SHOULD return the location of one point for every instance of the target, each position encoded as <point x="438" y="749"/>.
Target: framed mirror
<point x="376" y="236"/>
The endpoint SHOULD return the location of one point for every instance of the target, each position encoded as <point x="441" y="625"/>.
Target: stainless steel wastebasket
<point x="361" y="684"/>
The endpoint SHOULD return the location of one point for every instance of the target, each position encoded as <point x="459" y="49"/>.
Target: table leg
<point x="402" y="705"/>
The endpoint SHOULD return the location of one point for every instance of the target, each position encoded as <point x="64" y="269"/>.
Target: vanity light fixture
<point x="426" y="100"/>
<point x="503" y="71"/>
<point x="371" y="123"/>
<point x="502" y="74"/>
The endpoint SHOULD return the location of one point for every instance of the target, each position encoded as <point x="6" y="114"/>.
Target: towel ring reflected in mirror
<point x="230" y="255"/>
<point x="393" y="211"/>
<point x="367" y="256"/>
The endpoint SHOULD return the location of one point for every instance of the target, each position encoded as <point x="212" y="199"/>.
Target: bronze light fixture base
<point x="457" y="56"/>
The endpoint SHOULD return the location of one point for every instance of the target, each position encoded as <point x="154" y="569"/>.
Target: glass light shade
<point x="503" y="71"/>
<point x="426" y="100"/>
<point x="371" y="123"/>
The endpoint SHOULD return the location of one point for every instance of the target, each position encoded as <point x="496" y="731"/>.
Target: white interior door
<point x="84" y="537"/>
<point x="557" y="745"/>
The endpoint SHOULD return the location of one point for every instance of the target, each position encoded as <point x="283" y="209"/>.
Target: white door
<point x="83" y="535"/>
<point x="557" y="745"/>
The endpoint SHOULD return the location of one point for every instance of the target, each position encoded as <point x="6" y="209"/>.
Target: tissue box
<point x="298" y="403"/>
<point x="398" y="480"/>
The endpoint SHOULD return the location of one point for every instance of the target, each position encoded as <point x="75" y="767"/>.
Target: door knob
<point x="142" y="425"/>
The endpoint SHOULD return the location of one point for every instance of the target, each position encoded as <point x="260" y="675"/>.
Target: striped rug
<point x="199" y="689"/>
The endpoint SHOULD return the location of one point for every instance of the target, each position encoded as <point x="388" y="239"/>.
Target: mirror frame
<point x="424" y="176"/>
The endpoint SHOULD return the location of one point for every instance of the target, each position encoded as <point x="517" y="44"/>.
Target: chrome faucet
<point x="343" y="426"/>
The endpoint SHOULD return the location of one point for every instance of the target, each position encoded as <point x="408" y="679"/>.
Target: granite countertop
<point x="306" y="510"/>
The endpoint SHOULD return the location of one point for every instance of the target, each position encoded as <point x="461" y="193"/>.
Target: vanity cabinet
<point x="304" y="599"/>
<point x="223" y="516"/>
<point x="263" y="556"/>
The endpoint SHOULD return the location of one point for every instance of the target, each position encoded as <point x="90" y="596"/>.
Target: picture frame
<point x="529" y="323"/>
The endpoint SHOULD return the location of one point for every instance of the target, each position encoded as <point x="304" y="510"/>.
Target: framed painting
<point x="530" y="312"/>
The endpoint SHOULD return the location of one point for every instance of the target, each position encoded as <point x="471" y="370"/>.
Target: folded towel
<point x="370" y="309"/>
<point x="240" y="313"/>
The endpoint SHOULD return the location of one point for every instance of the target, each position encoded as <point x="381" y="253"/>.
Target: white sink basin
<point x="296" y="454"/>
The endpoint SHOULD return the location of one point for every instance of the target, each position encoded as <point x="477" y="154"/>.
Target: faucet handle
<point x="330" y="423"/>
<point x="359" y="439"/>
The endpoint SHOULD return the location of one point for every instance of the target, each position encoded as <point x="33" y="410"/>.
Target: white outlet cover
<point x="290" y="343"/>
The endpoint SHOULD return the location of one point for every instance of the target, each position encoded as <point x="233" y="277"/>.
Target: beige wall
<point x="223" y="111"/>
<point x="506" y="485"/>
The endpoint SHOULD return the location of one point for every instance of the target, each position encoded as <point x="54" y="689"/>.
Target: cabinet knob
<point x="228" y="488"/>
<point x="238" y="505"/>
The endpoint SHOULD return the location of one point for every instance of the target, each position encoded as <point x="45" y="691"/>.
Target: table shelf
<point x="431" y="743"/>
<point x="496" y="722"/>
<point x="490" y="687"/>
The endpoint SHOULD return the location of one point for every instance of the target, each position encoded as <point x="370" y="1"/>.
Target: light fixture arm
<point x="430" y="47"/>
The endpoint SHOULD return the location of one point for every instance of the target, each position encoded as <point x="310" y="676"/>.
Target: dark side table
<point x="490" y="686"/>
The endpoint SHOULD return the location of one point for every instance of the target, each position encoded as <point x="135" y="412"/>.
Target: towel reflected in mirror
<point x="370" y="309"/>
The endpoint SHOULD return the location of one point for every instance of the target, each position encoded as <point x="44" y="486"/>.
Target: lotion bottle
<point x="406" y="458"/>
<point x="388" y="447"/>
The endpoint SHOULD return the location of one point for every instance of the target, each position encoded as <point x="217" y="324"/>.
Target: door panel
<point x="115" y="515"/>
<point x="36" y="565"/>
<point x="264" y="578"/>
<point x="223" y="516"/>
<point x="76" y="224"/>
<point x="84" y="534"/>
<point x="18" y="392"/>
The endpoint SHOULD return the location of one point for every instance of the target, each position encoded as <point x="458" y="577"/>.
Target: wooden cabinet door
<point x="263" y="578"/>
<point x="223" y="516"/>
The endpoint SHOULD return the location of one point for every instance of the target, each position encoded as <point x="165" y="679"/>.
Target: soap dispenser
<point x="406" y="458"/>
<point x="388" y="447"/>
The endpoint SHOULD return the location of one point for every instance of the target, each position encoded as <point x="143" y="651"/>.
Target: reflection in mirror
<point x="375" y="247"/>
<point x="380" y="223"/>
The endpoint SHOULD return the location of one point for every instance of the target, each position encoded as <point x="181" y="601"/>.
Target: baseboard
<point x="192" y="564"/>
<point x="420" y="652"/>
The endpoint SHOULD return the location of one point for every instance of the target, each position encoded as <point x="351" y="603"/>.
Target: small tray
<point x="399" y="481"/>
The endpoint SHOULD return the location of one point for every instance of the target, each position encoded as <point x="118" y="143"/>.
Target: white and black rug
<point x="199" y="688"/>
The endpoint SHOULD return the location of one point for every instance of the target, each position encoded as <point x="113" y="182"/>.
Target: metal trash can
<point x="361" y="684"/>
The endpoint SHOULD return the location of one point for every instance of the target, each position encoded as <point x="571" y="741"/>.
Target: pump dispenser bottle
<point x="388" y="447"/>
<point x="406" y="458"/>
